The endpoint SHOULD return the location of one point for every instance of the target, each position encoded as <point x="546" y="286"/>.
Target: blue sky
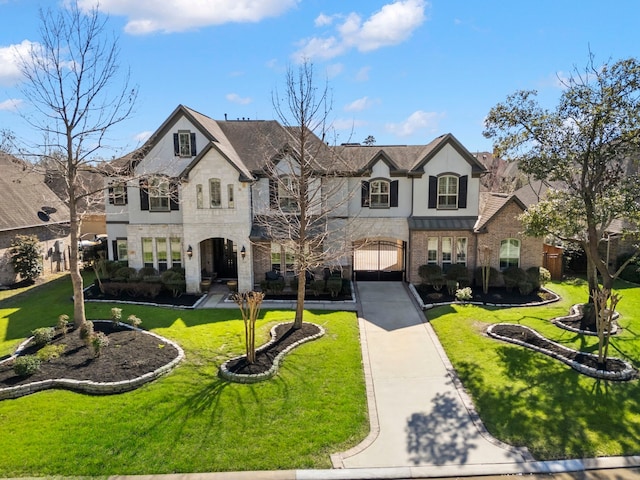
<point x="403" y="71"/>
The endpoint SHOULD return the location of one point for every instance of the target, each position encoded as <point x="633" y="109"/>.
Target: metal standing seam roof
<point x="441" y="223"/>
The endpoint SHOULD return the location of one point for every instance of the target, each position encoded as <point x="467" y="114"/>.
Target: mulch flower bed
<point x="130" y="354"/>
<point x="494" y="296"/>
<point x="185" y="300"/>
<point x="612" y="368"/>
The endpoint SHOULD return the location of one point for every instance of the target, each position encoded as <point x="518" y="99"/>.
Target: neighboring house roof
<point x="25" y="199"/>
<point x="491" y="204"/>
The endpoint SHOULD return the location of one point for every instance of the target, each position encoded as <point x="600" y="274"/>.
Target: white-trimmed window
<point x="379" y="194"/>
<point x="118" y="194"/>
<point x="448" y="192"/>
<point x="175" y="245"/>
<point x="287" y="194"/>
<point x="432" y="250"/>
<point x="276" y="257"/>
<point x="230" y="196"/>
<point x="199" y="196"/>
<point x="509" y="253"/>
<point x="184" y="141"/>
<point x="147" y="252"/>
<point x="159" y="195"/>
<point x="215" y="193"/>
<point x="122" y="252"/>
<point x="447" y="245"/>
<point x="461" y="251"/>
<point x="161" y="251"/>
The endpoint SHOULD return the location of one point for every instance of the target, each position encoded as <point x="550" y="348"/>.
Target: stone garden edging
<point x="575" y="313"/>
<point x="259" y="377"/>
<point x="87" y="386"/>
<point x="627" y="374"/>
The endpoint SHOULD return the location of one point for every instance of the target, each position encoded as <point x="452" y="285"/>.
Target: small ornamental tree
<point x="26" y="257"/>
<point x="249" y="304"/>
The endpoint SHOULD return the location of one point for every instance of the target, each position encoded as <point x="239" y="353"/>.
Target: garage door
<point x="379" y="260"/>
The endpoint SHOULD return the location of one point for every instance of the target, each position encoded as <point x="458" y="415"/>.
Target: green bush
<point x="26" y="256"/>
<point x="147" y="272"/>
<point x="86" y="331"/>
<point x="334" y="285"/>
<point x="49" y="352"/>
<point x="317" y="287"/>
<point x="631" y="273"/>
<point x="430" y="272"/>
<point x="293" y="283"/>
<point x="133" y="321"/>
<point x="26" y="365"/>
<point x="526" y="287"/>
<point x="124" y="274"/>
<point x="98" y="342"/>
<point x="63" y="324"/>
<point x="452" y="287"/>
<point x="460" y="274"/>
<point x="43" y="335"/>
<point x="513" y="276"/>
<point x="174" y="281"/>
<point x="112" y="266"/>
<point x="494" y="277"/>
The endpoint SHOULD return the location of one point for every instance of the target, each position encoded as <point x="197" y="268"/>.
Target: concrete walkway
<point x="422" y="418"/>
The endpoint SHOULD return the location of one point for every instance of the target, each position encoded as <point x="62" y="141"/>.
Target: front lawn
<point x="190" y="420"/>
<point x="528" y="399"/>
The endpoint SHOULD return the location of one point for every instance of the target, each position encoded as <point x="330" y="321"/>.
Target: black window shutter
<point x="273" y="193"/>
<point x="193" y="145"/>
<point x="433" y="191"/>
<point x="144" y="195"/>
<point x="393" y="191"/>
<point x="365" y="194"/>
<point x="173" y="196"/>
<point x="111" y="194"/>
<point x="126" y="195"/>
<point x="114" y="246"/>
<point x="462" y="191"/>
<point x="176" y="144"/>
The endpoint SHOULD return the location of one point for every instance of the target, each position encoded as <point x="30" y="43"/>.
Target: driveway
<point x="418" y="416"/>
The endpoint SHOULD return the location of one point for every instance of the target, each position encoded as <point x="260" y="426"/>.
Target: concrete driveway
<point x="418" y="416"/>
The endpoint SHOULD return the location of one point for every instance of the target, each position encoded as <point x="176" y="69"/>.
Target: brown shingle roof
<point x="491" y="204"/>
<point x="25" y="200"/>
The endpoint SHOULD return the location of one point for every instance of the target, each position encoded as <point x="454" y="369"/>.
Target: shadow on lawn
<point x="554" y="411"/>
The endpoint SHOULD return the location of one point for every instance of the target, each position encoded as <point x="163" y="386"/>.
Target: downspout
<point x="409" y="249"/>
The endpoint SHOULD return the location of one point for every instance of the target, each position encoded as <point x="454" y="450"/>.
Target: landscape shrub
<point x="124" y="274"/>
<point x="494" y="277"/>
<point x="460" y="274"/>
<point x="631" y="273"/>
<point x="452" y="286"/>
<point x="116" y="314"/>
<point x="26" y="256"/>
<point x="49" y="352"/>
<point x="174" y="281"/>
<point x="86" y="331"/>
<point x="430" y="272"/>
<point x="334" y="285"/>
<point x="147" y="272"/>
<point x="63" y="324"/>
<point x="526" y="287"/>
<point x="293" y="283"/>
<point x="112" y="266"/>
<point x="133" y="321"/>
<point x="26" y="365"/>
<point x="98" y="342"/>
<point x="43" y="335"/>
<point x="464" y="294"/>
<point x="114" y="288"/>
<point x="513" y="276"/>
<point x="317" y="287"/>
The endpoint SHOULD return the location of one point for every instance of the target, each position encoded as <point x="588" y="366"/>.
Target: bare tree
<point x="73" y="82"/>
<point x="308" y="187"/>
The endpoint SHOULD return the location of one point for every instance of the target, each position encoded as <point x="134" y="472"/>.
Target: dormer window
<point x="379" y="194"/>
<point x="447" y="192"/>
<point x="184" y="143"/>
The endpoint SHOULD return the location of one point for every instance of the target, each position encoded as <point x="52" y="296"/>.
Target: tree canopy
<point x="586" y="148"/>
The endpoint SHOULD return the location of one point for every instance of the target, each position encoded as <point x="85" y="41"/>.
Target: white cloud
<point x="334" y="70"/>
<point x="235" y="98"/>
<point x="347" y="123"/>
<point x="10" y="60"/>
<point x="10" y="105"/>
<point x="392" y="24"/>
<point x="323" y="20"/>
<point x="143" y="136"/>
<point x="363" y="74"/>
<point x="148" y="16"/>
<point x="359" y="105"/>
<point x="416" y="122"/>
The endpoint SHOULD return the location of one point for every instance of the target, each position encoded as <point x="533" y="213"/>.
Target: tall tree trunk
<point x="79" y="316"/>
<point x="302" y="287"/>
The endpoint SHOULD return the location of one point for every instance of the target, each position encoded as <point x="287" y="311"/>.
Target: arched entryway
<point x="379" y="260"/>
<point x="219" y="259"/>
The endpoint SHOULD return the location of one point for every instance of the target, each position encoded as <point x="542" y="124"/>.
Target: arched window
<point x="379" y="193"/>
<point x="448" y="192"/>
<point x="509" y="253"/>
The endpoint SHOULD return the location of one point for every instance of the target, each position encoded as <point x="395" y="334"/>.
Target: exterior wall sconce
<point x="189" y="252"/>
<point x="243" y="252"/>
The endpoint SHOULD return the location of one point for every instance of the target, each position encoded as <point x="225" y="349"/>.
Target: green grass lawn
<point x="189" y="420"/>
<point x="528" y="399"/>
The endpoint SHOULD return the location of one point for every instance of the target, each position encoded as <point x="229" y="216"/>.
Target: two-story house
<point x="199" y="186"/>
